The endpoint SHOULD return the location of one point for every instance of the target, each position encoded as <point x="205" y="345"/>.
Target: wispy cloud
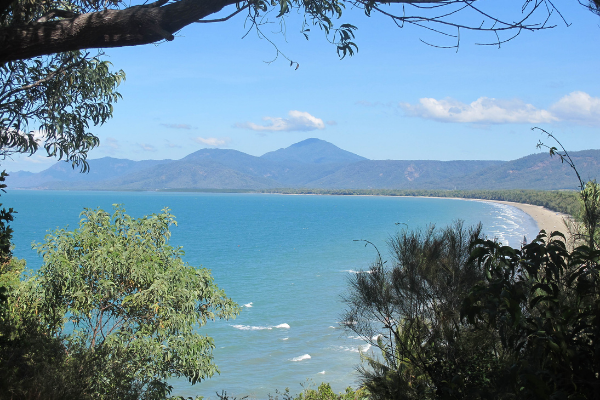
<point x="39" y="159"/>
<point x="110" y="142"/>
<point x="147" y="147"/>
<point x="215" y="142"/>
<point x="178" y="126"/>
<point x="576" y="107"/>
<point x="297" y="121"/>
<point x="173" y="145"/>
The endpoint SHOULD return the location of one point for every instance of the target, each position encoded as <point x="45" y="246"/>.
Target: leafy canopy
<point x="116" y="291"/>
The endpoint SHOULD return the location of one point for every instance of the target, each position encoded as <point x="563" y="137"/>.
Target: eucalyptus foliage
<point x="124" y="306"/>
<point x="51" y="101"/>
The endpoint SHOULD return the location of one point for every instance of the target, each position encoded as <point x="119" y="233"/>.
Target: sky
<point x="396" y="98"/>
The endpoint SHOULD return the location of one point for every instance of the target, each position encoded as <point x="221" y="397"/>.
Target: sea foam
<point x="351" y="271"/>
<point x="301" y="358"/>
<point x="260" y="328"/>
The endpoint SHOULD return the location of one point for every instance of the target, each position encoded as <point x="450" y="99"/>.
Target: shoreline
<point x="545" y="219"/>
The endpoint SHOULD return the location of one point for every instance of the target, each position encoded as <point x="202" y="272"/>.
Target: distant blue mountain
<point x="312" y="151"/>
<point x="101" y="169"/>
<point x="312" y="163"/>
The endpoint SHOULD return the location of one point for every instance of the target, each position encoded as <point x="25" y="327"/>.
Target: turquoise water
<point x="285" y="258"/>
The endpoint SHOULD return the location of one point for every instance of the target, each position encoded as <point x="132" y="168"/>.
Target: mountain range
<point x="312" y="163"/>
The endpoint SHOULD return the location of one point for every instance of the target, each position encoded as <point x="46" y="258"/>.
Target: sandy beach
<point x="546" y="219"/>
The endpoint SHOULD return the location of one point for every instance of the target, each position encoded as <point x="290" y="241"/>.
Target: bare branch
<point x="207" y="21"/>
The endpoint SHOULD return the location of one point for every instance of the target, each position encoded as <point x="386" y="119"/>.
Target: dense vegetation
<point x="566" y="202"/>
<point x="457" y="316"/>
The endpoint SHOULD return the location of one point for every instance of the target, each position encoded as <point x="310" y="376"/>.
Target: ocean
<point x="285" y="259"/>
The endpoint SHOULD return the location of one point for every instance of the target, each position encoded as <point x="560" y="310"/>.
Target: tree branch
<point x="207" y="21"/>
<point x="132" y="26"/>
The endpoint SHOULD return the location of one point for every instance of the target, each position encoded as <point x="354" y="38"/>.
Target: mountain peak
<point x="313" y="151"/>
<point x="310" y="141"/>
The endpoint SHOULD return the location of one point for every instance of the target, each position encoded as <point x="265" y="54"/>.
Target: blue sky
<point x="397" y="98"/>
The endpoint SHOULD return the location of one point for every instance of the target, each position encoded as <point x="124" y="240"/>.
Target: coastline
<point x="545" y="219"/>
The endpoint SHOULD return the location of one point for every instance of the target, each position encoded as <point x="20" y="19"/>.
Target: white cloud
<point x="483" y="110"/>
<point x="215" y="142"/>
<point x="147" y="147"/>
<point x="297" y="121"/>
<point x="576" y="107"/>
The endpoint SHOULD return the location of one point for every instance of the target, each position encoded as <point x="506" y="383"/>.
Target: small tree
<point x="124" y="305"/>
<point x="410" y="310"/>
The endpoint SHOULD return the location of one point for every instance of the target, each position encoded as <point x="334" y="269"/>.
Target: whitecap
<point x="285" y="338"/>
<point x="346" y="348"/>
<point x="260" y="328"/>
<point x="351" y="271"/>
<point x="322" y="372"/>
<point x="300" y="358"/>
<point x="251" y="328"/>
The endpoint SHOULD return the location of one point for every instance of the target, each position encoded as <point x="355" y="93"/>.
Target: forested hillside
<point x="313" y="164"/>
